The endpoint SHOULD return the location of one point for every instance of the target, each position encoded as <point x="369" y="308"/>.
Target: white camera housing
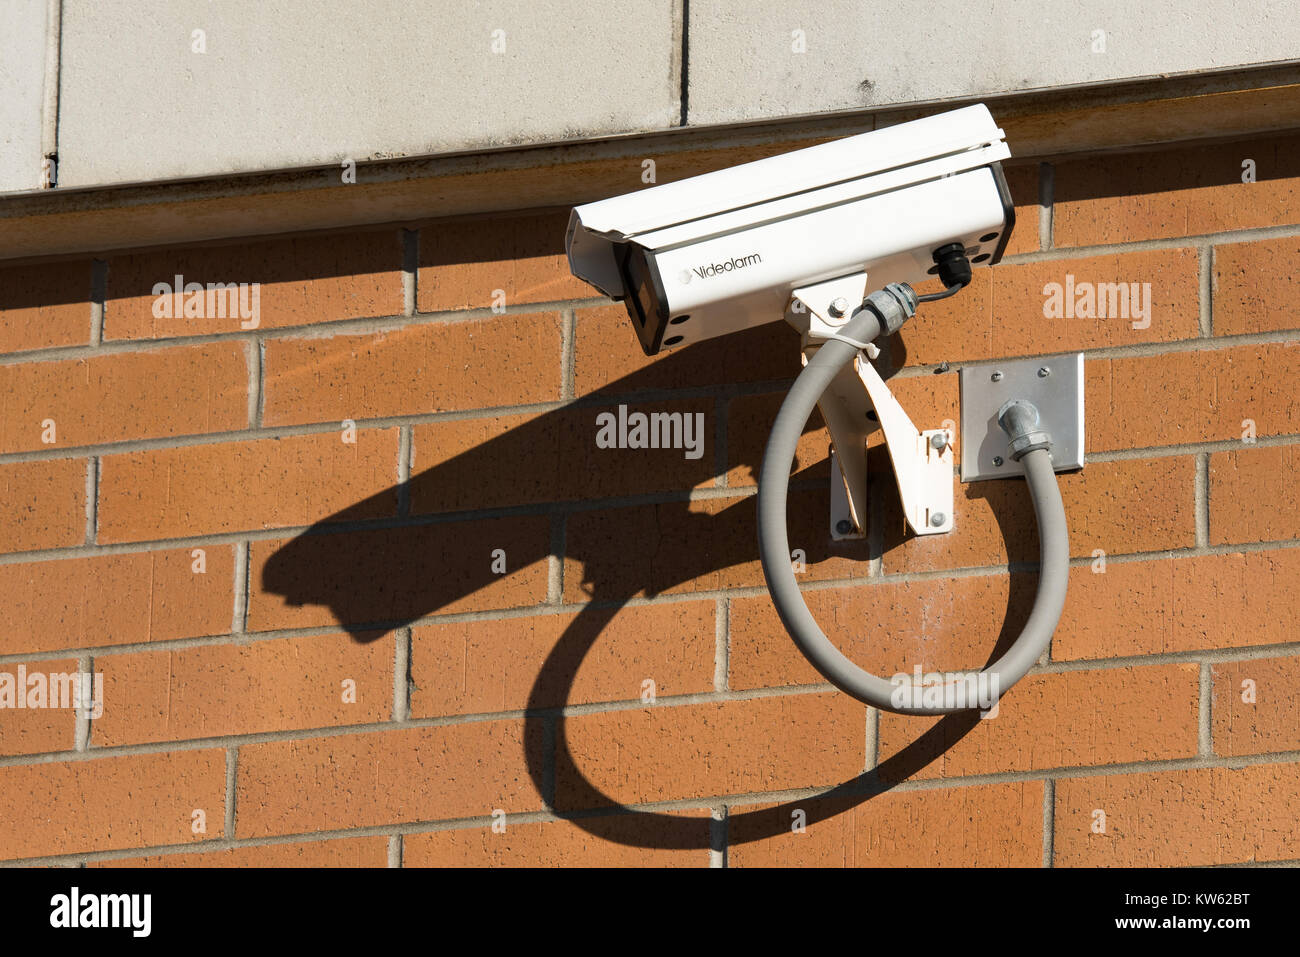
<point x="723" y="251"/>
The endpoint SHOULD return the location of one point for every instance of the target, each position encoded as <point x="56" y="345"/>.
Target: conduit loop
<point x="1028" y="443"/>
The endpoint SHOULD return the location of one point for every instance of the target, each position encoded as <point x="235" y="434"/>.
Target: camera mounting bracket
<point x="858" y="402"/>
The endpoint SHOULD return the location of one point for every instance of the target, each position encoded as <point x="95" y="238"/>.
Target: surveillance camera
<point x="806" y="237"/>
<point x="724" y="251"/>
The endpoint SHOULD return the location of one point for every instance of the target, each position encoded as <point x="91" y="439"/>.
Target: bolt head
<point x="939" y="441"/>
<point x="843" y="526"/>
<point x="997" y="460"/>
<point x="839" y="307"/>
<point x="1044" y="372"/>
<point x="996" y="377"/>
<point x="937" y="519"/>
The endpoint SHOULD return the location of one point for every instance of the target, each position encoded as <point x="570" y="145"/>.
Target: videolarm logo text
<point x="708" y="270"/>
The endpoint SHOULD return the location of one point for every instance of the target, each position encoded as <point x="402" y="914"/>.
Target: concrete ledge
<point x="45" y="224"/>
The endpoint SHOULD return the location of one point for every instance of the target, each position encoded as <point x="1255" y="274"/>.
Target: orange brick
<point x="694" y="546"/>
<point x="50" y="727"/>
<point x="1003" y="312"/>
<point x="1201" y="396"/>
<point x="1066" y="719"/>
<point x="885" y="628"/>
<point x="303" y="280"/>
<point x="234" y="486"/>
<point x="1179" y="818"/>
<point x="749" y="420"/>
<point x="117" y="599"/>
<point x="1188" y="190"/>
<point x="485" y="666"/>
<point x="470" y="265"/>
<point x="1255" y="286"/>
<point x="677" y="839"/>
<point x="1261" y="716"/>
<point x="366" y="780"/>
<point x="42" y="504"/>
<point x="608" y="359"/>
<point x="503" y="360"/>
<point x="397" y="574"/>
<point x="1023" y="183"/>
<point x="345" y="852"/>
<point x="1133" y="505"/>
<point x="44" y="306"/>
<point x="113" y="398"/>
<point x="1179" y="604"/>
<point x="553" y="456"/>
<point x="1253" y="495"/>
<point x="283" y="685"/>
<point x="992" y="825"/>
<point x="668" y="752"/>
<point x="141" y="800"/>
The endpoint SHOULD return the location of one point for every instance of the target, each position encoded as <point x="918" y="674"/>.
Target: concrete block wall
<point x="363" y="590"/>
<point x="125" y="92"/>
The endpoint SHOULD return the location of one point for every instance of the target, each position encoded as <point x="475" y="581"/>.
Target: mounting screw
<point x="839" y="307"/>
<point x="996" y="377"/>
<point x="843" y="526"/>
<point x="937" y="519"/>
<point x="997" y="460"/>
<point x="939" y="441"/>
<point x="1044" y="372"/>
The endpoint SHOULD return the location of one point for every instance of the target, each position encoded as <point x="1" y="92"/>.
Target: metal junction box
<point x="1054" y="384"/>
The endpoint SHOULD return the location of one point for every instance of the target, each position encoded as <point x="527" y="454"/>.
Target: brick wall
<point x="361" y="586"/>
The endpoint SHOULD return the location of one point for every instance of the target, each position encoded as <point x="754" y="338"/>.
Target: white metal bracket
<point x="854" y="405"/>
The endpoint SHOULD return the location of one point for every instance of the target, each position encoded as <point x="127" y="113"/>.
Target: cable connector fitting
<point x="893" y="306"/>
<point x="953" y="266"/>
<point x="1019" y="419"/>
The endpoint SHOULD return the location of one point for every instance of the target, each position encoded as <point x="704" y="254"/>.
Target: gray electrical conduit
<point x="774" y="543"/>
